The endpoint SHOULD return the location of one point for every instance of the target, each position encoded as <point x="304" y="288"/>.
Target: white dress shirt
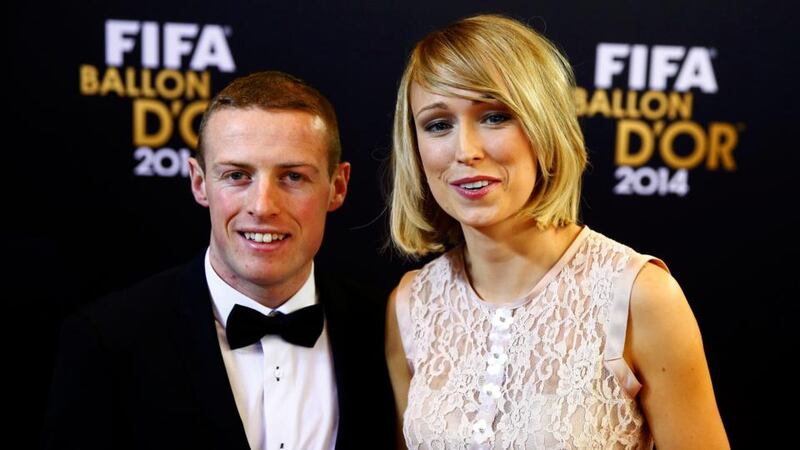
<point x="285" y="393"/>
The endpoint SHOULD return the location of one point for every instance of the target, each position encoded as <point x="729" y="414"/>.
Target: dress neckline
<point x="565" y="257"/>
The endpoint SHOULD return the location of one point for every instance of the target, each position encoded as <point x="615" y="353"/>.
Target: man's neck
<point x="271" y="295"/>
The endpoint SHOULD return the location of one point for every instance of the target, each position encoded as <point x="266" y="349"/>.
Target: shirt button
<point x="278" y="372"/>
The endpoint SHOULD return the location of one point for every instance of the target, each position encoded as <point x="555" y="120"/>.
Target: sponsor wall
<point x="687" y="108"/>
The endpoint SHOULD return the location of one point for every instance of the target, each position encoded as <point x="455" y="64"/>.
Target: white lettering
<point x="150" y="45"/>
<point x="662" y="65"/>
<point x="655" y="67"/>
<point x="697" y="72"/>
<point x="608" y="63"/>
<point x="212" y="50"/>
<point x="118" y="41"/>
<point x="175" y="44"/>
<point x="204" y="46"/>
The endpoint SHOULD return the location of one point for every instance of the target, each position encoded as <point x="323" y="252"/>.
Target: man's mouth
<point x="264" y="237"/>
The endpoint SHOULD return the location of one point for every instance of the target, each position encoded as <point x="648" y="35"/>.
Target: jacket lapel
<point x="355" y="330"/>
<point x="333" y="302"/>
<point x="198" y="337"/>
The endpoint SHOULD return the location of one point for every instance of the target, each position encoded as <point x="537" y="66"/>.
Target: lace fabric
<point x="540" y="373"/>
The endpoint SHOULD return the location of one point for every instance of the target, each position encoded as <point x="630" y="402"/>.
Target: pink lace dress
<point x="543" y="372"/>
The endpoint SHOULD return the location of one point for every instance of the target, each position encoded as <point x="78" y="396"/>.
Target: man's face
<point x="267" y="187"/>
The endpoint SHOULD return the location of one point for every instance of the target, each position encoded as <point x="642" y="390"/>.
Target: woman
<point x="530" y="331"/>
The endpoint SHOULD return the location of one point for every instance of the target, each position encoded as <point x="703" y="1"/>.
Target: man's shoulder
<point x="144" y="302"/>
<point x="350" y="286"/>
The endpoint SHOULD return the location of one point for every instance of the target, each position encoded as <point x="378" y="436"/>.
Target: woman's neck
<point x="505" y="264"/>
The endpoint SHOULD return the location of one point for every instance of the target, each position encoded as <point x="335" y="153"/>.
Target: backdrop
<point x="688" y="110"/>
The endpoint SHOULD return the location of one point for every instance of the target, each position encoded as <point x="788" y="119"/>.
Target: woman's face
<point x="477" y="159"/>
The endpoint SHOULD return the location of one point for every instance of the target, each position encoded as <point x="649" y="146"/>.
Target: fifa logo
<point x="652" y="68"/>
<point x="165" y="69"/>
<point x="167" y="45"/>
<point x="650" y="93"/>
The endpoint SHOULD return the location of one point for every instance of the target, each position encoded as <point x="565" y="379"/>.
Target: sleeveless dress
<point x="543" y="372"/>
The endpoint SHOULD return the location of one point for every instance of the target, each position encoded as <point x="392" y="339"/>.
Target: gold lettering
<point x="163" y="87"/>
<point x="89" y="82"/>
<point x="624" y="156"/>
<point x="667" y="143"/>
<point x="198" y="85"/>
<point x="645" y="105"/>
<point x="599" y="104"/>
<point x="112" y="81"/>
<point x="722" y="139"/>
<point x="187" y="118"/>
<point x="143" y="107"/>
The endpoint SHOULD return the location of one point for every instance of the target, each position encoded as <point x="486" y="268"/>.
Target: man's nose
<point x="265" y="198"/>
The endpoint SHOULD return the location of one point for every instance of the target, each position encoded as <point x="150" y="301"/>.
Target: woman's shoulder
<point x="655" y="294"/>
<point x="444" y="264"/>
<point x="403" y="289"/>
<point x="662" y="326"/>
<point x="598" y="241"/>
<point x="433" y="271"/>
<point x="626" y="258"/>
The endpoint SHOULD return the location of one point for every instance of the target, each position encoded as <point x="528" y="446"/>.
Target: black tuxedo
<point x="143" y="369"/>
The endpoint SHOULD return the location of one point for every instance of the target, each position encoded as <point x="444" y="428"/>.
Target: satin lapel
<point x="332" y="300"/>
<point x="198" y="337"/>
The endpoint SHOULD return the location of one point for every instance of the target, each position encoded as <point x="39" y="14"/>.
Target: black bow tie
<point x="247" y="326"/>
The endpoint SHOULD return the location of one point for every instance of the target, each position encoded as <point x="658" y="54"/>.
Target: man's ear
<point x="198" y="180"/>
<point x="341" y="176"/>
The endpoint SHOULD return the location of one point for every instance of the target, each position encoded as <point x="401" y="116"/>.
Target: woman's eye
<point x="437" y="127"/>
<point x="496" y="118"/>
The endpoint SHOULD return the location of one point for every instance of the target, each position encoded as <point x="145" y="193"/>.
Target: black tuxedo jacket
<point x="142" y="369"/>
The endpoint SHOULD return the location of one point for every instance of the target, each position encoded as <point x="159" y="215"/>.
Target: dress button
<point x="498" y="355"/>
<point x="502" y="319"/>
<point x="481" y="431"/>
<point x="492" y="390"/>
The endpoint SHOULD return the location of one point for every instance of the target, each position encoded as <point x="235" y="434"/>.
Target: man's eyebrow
<point x="296" y="164"/>
<point x="284" y="165"/>
<point x="233" y="163"/>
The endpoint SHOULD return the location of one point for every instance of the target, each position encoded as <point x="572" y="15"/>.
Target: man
<point x="182" y="359"/>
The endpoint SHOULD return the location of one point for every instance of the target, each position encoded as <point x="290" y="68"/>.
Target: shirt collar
<point x="224" y="296"/>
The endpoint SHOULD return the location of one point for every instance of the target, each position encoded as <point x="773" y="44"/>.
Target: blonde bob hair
<point x="508" y="61"/>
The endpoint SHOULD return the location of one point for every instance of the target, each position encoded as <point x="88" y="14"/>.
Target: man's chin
<point x="266" y="275"/>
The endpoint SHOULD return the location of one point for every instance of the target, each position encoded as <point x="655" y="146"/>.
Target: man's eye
<point x="236" y="176"/>
<point x="294" y="176"/>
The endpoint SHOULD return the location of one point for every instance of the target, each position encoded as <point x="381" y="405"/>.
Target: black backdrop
<point x="79" y="222"/>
